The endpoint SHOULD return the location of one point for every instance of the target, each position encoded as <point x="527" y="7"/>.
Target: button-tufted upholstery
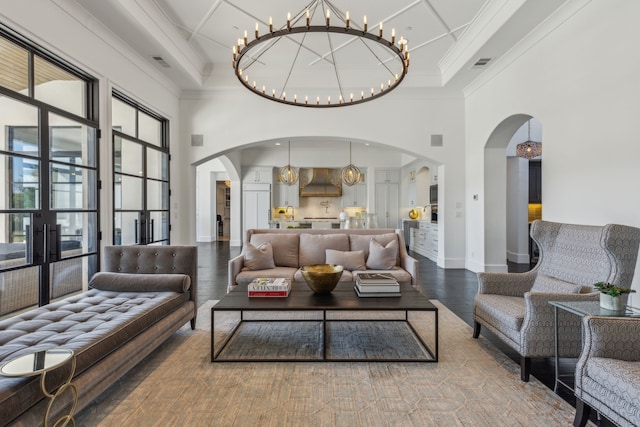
<point x="109" y="331"/>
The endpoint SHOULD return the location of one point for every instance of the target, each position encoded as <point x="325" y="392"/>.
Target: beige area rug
<point x="473" y="384"/>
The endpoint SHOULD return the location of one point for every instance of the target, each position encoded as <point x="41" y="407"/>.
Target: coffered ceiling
<point x="190" y="40"/>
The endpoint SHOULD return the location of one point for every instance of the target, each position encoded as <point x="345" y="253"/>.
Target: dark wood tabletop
<point x="343" y="297"/>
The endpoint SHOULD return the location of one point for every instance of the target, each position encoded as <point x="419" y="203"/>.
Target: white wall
<point x="579" y="79"/>
<point x="404" y="120"/>
<point x="68" y="31"/>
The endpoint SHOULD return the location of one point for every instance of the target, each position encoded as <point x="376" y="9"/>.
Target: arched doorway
<point x="506" y="203"/>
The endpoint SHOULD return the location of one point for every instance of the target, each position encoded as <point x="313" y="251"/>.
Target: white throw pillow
<point x="258" y="257"/>
<point x="382" y="257"/>
<point x="350" y="260"/>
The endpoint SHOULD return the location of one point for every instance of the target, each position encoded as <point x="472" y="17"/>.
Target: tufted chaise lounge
<point x="143" y="295"/>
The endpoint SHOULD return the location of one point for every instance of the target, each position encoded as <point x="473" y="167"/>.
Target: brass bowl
<point x="322" y="278"/>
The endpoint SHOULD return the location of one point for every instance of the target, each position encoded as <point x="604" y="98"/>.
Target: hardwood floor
<point x="455" y="288"/>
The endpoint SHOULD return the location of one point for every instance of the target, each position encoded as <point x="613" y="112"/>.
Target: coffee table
<point x="342" y="299"/>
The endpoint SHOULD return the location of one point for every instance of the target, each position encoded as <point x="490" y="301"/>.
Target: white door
<point x="256" y="204"/>
<point x="387" y="205"/>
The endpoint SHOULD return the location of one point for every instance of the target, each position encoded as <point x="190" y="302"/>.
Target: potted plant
<point x="613" y="297"/>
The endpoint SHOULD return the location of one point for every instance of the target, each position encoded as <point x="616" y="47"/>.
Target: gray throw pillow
<point x="550" y="284"/>
<point x="131" y="282"/>
<point x="258" y="257"/>
<point x="382" y="257"/>
<point x="350" y="260"/>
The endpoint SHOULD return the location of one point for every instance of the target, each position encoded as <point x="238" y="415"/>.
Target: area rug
<point x="473" y="384"/>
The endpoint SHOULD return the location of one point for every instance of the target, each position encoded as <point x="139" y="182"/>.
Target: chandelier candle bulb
<point x="351" y="97"/>
<point x="340" y="99"/>
<point x="263" y="89"/>
<point x="328" y="16"/>
<point x="246" y="40"/>
<point x="347" y="19"/>
<point x="308" y="19"/>
<point x="257" y="30"/>
<point x="289" y="20"/>
<point x="365" y="23"/>
<point x="380" y="29"/>
<point x="362" y="95"/>
<point x="393" y="36"/>
<point x="318" y="101"/>
<point x="254" y="85"/>
<point x="295" y="98"/>
<point x="270" y="25"/>
<point x="273" y="93"/>
<point x="284" y="96"/>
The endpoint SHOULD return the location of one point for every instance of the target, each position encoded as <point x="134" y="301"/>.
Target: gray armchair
<point x="515" y="306"/>
<point x="608" y="371"/>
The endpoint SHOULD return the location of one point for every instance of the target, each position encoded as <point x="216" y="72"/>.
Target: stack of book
<point x="376" y="285"/>
<point x="269" y="287"/>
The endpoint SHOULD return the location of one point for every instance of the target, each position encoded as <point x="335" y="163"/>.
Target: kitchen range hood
<point x="320" y="182"/>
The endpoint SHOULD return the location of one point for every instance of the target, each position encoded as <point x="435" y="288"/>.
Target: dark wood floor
<point x="455" y="288"/>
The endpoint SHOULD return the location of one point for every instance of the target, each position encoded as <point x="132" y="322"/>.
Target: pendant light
<point x="288" y="174"/>
<point x="529" y="149"/>
<point x="350" y="174"/>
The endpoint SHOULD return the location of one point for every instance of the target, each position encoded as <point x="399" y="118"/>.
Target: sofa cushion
<point x="129" y="282"/>
<point x="313" y="247"/>
<point x="361" y="242"/>
<point x="258" y="257"/>
<point x="285" y="247"/>
<point x="246" y="276"/>
<point x="382" y="257"/>
<point x="544" y="283"/>
<point x="350" y="260"/>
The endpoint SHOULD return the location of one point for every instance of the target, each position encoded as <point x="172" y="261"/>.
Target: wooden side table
<point x="39" y="363"/>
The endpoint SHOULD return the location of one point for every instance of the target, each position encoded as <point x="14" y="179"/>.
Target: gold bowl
<point x="322" y="278"/>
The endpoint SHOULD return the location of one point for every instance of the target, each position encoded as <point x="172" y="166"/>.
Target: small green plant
<point x="611" y="289"/>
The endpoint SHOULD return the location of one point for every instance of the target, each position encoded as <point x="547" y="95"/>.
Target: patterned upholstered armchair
<point x="608" y="371"/>
<point x="515" y="306"/>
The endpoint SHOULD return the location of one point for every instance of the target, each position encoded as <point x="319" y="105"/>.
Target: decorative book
<point x="375" y="294"/>
<point x="373" y="278"/>
<point x="269" y="287"/>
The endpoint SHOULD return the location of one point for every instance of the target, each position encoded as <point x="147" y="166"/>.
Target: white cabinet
<point x="387" y="176"/>
<point x="255" y="175"/>
<point x="412" y="193"/>
<point x="387" y="204"/>
<point x="286" y="195"/>
<point x="425" y="240"/>
<point x="354" y="196"/>
<point x="256" y="206"/>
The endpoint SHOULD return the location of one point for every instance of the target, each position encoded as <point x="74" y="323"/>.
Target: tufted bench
<point x="145" y="295"/>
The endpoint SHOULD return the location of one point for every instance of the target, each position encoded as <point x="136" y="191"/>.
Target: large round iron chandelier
<point x="324" y="65"/>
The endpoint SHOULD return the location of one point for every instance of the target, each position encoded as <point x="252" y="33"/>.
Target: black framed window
<point x="141" y="184"/>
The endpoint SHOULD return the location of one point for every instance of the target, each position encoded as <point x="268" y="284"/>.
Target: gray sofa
<point x="608" y="371"/>
<point x="141" y="297"/>
<point x="515" y="306"/>
<point x="290" y="249"/>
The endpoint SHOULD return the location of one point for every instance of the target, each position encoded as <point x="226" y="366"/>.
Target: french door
<point x="140" y="174"/>
<point x="49" y="175"/>
<point x="48" y="209"/>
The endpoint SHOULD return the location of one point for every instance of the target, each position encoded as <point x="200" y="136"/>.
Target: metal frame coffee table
<point x="342" y="299"/>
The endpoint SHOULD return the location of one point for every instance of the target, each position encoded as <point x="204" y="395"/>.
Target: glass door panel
<point x="131" y="199"/>
<point x="77" y="234"/>
<point x="127" y="157"/>
<point x="72" y="187"/>
<point x="128" y="226"/>
<point x="157" y="164"/>
<point x="22" y="178"/>
<point x="19" y="289"/>
<point x="159" y="226"/>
